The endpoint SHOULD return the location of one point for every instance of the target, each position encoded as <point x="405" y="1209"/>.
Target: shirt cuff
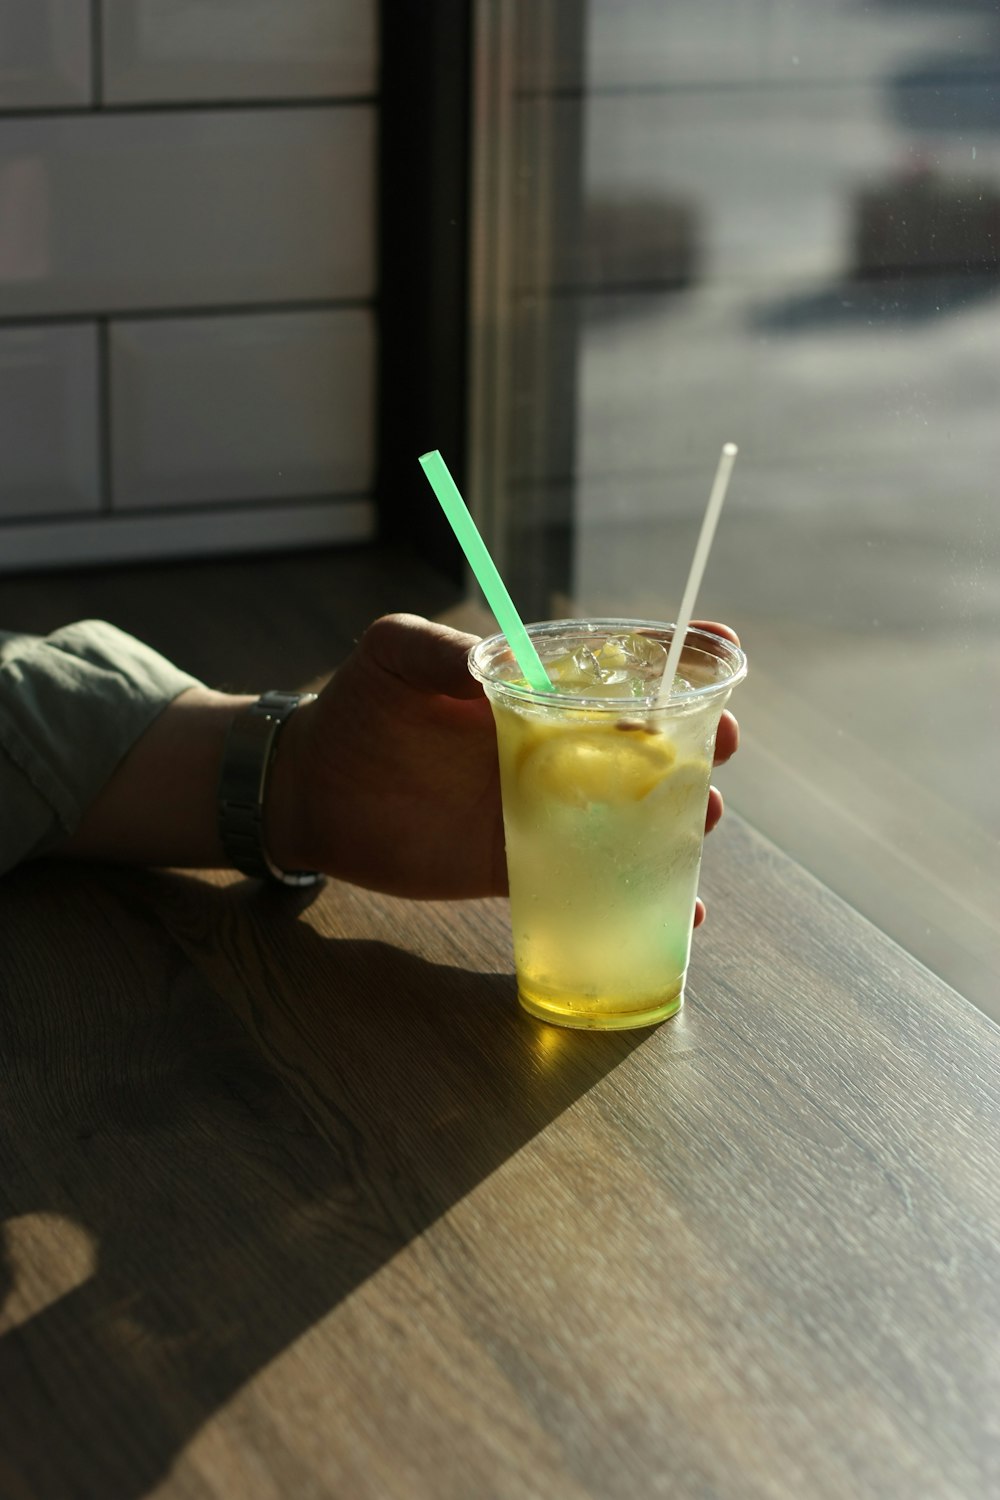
<point x="72" y="704"/>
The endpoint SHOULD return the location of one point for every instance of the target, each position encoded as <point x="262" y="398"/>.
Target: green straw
<point x="485" y="570"/>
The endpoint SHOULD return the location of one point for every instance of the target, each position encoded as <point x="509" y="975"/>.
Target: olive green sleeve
<point x="71" y="706"/>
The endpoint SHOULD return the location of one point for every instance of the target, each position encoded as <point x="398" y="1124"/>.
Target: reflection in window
<point x="786" y="232"/>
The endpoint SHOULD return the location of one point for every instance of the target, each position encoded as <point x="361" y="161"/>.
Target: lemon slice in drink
<point x="582" y="766"/>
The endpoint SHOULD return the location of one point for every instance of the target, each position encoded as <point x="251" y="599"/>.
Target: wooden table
<point x="298" y="1203"/>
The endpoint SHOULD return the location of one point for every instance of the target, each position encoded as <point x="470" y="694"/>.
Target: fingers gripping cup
<point x="605" y="787"/>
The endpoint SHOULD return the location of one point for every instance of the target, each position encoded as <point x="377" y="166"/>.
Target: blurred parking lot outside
<point x="799" y="216"/>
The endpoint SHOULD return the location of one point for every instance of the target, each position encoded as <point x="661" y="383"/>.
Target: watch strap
<point x="251" y="746"/>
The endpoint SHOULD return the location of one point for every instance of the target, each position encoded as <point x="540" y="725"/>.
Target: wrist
<point x="158" y="807"/>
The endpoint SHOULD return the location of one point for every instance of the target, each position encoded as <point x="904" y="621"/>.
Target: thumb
<point x="422" y="654"/>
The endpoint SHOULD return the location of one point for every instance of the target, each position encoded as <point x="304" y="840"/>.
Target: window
<point x="777" y="223"/>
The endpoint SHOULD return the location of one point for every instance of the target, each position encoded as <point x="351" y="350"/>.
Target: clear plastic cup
<point x="604" y="796"/>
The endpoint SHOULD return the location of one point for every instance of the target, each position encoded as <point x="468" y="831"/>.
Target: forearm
<point x="159" y="805"/>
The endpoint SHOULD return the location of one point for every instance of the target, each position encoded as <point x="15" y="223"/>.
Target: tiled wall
<point x="187" y="273"/>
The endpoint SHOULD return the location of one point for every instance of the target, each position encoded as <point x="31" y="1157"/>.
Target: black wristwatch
<point x="251" y="746"/>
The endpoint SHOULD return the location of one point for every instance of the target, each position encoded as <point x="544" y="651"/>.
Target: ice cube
<point x="634" y="654"/>
<point x="586" y="667"/>
<point x="576" y="671"/>
<point x="632" y="662"/>
<point x="625" y="666"/>
<point x="641" y="653"/>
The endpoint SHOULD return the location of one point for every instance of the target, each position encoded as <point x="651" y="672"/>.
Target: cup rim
<point x="724" y="650"/>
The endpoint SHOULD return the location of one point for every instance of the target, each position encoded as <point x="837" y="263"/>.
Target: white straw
<point x="701" y="551"/>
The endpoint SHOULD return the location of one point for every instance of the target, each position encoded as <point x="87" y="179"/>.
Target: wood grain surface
<point x="297" y="1202"/>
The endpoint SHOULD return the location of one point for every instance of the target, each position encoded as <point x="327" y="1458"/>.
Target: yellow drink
<point x="604" y="796"/>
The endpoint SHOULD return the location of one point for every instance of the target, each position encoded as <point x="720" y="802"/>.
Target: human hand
<point x="727" y="742"/>
<point x="390" y="778"/>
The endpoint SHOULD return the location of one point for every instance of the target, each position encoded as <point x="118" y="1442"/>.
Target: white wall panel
<point x="45" y="56"/>
<point x="185" y="209"/>
<point x="222" y="409"/>
<point x="185" y="50"/>
<point x="125" y="538"/>
<point x="48" y="421"/>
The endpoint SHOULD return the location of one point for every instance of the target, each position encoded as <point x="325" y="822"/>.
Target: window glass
<point x="786" y="232"/>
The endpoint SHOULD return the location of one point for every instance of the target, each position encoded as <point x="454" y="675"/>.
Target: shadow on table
<point x="249" y="1120"/>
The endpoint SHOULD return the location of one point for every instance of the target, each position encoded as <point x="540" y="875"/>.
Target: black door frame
<point x="516" y="125"/>
<point x="423" y="300"/>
